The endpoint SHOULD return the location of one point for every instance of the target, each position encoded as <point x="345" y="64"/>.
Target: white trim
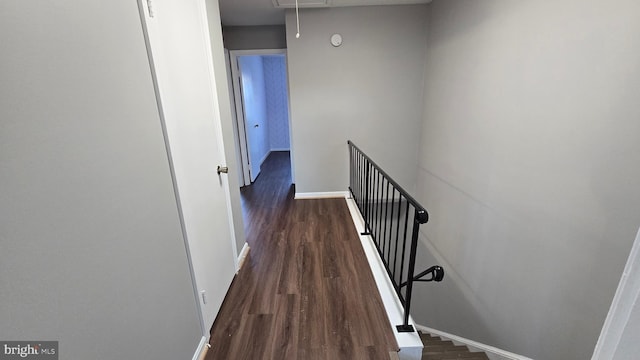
<point x="265" y="157"/>
<point x="625" y="299"/>
<point x="322" y="195"/>
<point x="243" y="256"/>
<point x="492" y="352"/>
<point x="410" y="344"/>
<point x="239" y="118"/>
<point x="199" y="349"/>
<point x="280" y="149"/>
<point x="293" y="163"/>
<point x="234" y="118"/>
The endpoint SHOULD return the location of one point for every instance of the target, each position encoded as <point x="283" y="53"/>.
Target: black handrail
<point x="374" y="192"/>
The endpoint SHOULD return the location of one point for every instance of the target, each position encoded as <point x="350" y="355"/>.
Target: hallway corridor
<point x="305" y="290"/>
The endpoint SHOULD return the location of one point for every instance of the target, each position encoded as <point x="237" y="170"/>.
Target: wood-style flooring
<point x="306" y="290"/>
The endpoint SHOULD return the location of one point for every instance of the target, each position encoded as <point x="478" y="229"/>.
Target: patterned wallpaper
<point x="275" y="83"/>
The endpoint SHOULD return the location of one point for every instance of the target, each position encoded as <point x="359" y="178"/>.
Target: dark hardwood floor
<point x="305" y="291"/>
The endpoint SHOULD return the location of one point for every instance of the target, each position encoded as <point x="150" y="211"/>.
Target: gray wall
<point x="92" y="253"/>
<point x="254" y="37"/>
<point x="368" y="90"/>
<point x="529" y="168"/>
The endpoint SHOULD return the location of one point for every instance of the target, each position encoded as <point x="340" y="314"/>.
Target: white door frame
<point x="240" y="121"/>
<point x="234" y="120"/>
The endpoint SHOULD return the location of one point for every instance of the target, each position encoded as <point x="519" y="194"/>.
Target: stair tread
<point x="436" y="341"/>
<point x="462" y="355"/>
<point x="466" y="356"/>
<point x="435" y="348"/>
<point x="442" y="349"/>
<point x="439" y="343"/>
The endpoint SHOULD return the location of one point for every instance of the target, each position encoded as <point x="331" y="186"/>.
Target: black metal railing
<point x="392" y="218"/>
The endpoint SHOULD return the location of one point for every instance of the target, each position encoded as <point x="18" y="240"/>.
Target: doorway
<point x="261" y="102"/>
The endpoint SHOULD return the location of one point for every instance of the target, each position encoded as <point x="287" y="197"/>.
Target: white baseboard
<point x="492" y="352"/>
<point x="199" y="349"/>
<point x="243" y="255"/>
<point x="265" y="157"/>
<point x="409" y="343"/>
<point x="281" y="149"/>
<point x="620" y="314"/>
<point x="322" y="195"/>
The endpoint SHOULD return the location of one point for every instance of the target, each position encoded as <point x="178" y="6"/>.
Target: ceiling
<point x="271" y="12"/>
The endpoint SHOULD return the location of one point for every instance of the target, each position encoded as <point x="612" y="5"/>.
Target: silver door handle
<point x="222" y="169"/>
